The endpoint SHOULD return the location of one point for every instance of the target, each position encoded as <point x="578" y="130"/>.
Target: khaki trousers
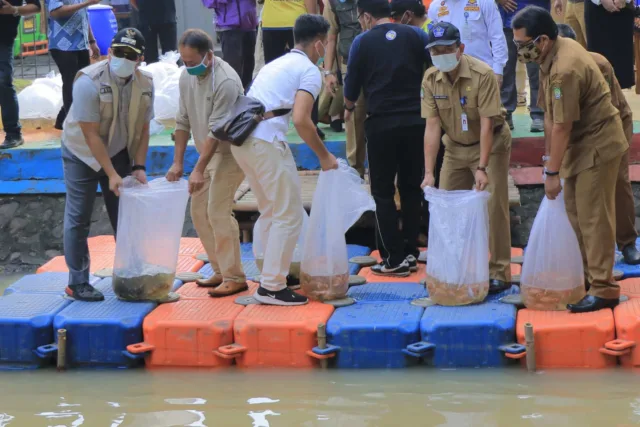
<point x="272" y="174"/>
<point x="458" y="173"/>
<point x="574" y="17"/>
<point x="213" y="219"/>
<point x="356" y="145"/>
<point x="626" y="233"/>
<point x="590" y="200"/>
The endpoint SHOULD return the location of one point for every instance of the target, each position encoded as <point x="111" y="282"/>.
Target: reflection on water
<point x="414" y="397"/>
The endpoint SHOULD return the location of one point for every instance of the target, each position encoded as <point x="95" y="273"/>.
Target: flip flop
<point x="228" y="288"/>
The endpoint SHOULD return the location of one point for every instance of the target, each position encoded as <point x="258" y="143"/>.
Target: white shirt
<point x="480" y="30"/>
<point x="276" y="86"/>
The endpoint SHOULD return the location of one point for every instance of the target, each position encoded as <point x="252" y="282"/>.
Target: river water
<point x="413" y="397"/>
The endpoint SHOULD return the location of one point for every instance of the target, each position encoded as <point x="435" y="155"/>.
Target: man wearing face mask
<point x="387" y="63"/>
<point x="461" y="96"/>
<point x="105" y="137"/>
<point x="411" y="12"/>
<point x="586" y="141"/>
<point x="626" y="234"/>
<point x="290" y="82"/>
<point x="209" y="87"/>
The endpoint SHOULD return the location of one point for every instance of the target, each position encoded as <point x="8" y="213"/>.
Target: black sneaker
<point x="509" y="120"/>
<point x="336" y="125"/>
<point x="284" y="297"/>
<point x="413" y="263"/>
<point x="84" y="292"/>
<point x="293" y="283"/>
<point x="11" y="142"/>
<point x="382" y="269"/>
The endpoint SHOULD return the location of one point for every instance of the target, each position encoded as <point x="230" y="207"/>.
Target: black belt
<point x="496" y="131"/>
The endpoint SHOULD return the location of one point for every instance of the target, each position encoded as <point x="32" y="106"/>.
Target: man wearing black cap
<point x="461" y="96"/>
<point x="411" y="12"/>
<point x="387" y="62"/>
<point x="105" y="133"/>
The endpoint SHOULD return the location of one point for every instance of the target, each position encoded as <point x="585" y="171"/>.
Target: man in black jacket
<point x="387" y="62"/>
<point x="10" y="13"/>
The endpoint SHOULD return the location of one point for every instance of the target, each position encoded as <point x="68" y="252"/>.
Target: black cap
<point x="131" y="38"/>
<point x="401" y="6"/>
<point x="443" y="34"/>
<point x="374" y="6"/>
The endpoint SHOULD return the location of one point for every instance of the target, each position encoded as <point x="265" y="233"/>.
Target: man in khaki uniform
<point x="343" y="18"/>
<point x="626" y="234"/>
<point x="209" y="87"/>
<point x="586" y="141"/>
<point x="461" y="94"/>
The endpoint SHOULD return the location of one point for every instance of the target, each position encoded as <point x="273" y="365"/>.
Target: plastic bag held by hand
<point x="261" y="234"/>
<point x="458" y="254"/>
<point x="339" y="201"/>
<point x="552" y="273"/>
<point x="150" y="221"/>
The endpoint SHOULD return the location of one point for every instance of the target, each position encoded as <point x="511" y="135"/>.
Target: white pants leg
<point x="273" y="177"/>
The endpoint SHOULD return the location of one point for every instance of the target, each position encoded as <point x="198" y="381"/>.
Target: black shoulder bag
<point x="243" y="118"/>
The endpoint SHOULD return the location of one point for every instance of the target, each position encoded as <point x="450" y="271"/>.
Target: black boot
<point x="631" y="255"/>
<point x="497" y="286"/>
<point x="590" y="303"/>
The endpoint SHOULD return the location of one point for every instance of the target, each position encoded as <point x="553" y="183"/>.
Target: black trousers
<point x="69" y="63"/>
<point x="238" y="49"/>
<point x="168" y="35"/>
<point x="276" y="43"/>
<point x="398" y="151"/>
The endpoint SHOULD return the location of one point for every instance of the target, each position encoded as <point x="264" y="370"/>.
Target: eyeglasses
<point x="528" y="42"/>
<point x="123" y="53"/>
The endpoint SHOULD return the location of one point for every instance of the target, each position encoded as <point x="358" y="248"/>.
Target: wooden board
<point x="245" y="200"/>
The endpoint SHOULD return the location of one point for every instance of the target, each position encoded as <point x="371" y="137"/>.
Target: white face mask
<point x="446" y="62"/>
<point x="122" y="67"/>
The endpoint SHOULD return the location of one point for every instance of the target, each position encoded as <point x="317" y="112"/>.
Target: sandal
<point x="228" y="288"/>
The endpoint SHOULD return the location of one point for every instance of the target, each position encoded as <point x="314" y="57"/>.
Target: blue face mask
<point x="320" y="60"/>
<point x="198" y="70"/>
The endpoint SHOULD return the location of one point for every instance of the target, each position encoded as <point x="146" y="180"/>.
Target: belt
<point x="575" y="1"/>
<point x="496" y="131"/>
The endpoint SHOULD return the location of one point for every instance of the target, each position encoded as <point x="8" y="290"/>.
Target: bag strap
<point x="275" y="113"/>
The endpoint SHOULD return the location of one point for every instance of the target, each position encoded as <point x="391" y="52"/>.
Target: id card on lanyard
<point x="466" y="29"/>
<point x="463" y="117"/>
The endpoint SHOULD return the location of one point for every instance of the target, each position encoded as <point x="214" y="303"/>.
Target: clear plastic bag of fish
<point x="552" y="272"/>
<point x="458" y="254"/>
<point x="339" y="201"/>
<point x="150" y="221"/>
<point x="261" y="234"/>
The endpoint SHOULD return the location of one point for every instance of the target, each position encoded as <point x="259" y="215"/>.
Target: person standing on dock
<point x="158" y="21"/>
<point x="292" y="81"/>
<point x="343" y="17"/>
<point x="11" y="13"/>
<point x="387" y="63"/>
<point x="626" y="233"/>
<point x="105" y="133"/>
<point x="586" y="144"/>
<point x="461" y="96"/>
<point x="209" y="87"/>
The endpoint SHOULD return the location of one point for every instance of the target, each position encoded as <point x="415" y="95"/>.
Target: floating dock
<point x="387" y="326"/>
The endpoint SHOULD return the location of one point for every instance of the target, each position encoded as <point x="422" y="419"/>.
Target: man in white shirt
<point x="290" y="81"/>
<point x="480" y="27"/>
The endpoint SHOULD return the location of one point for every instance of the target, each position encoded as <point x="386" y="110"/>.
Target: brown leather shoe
<point x="212" y="282"/>
<point x="228" y="288"/>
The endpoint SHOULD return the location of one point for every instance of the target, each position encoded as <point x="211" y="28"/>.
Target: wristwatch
<point x="16" y="11"/>
<point x="482" y="168"/>
<point x="545" y="159"/>
<point x="327" y="73"/>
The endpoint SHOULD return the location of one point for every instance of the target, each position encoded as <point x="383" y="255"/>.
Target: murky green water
<point x="414" y="397"/>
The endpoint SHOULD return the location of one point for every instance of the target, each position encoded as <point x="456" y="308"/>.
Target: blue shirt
<point x="70" y="33"/>
<point x="508" y="16"/>
<point x="387" y="63"/>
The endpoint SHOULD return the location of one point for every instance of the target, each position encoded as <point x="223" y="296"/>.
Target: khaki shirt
<point x="477" y="82"/>
<point x="206" y="101"/>
<point x="617" y="96"/>
<point x="573" y="90"/>
<point x="328" y="14"/>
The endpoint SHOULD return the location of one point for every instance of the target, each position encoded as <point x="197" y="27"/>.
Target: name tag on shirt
<point x="148" y="93"/>
<point x="105" y="90"/>
<point x="465" y="123"/>
<point x="440" y="97"/>
<point x="466" y="31"/>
